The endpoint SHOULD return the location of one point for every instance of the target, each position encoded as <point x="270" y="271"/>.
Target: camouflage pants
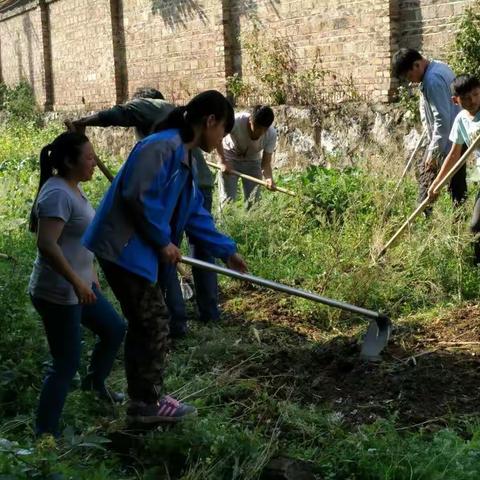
<point x="146" y="342"/>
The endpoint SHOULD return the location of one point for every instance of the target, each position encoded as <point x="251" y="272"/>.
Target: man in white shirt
<point x="248" y="149"/>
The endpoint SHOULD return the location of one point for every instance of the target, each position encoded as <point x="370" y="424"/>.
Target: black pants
<point x="457" y="187"/>
<point x="475" y="229"/>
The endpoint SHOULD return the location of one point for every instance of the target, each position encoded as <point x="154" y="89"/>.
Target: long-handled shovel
<point x="377" y="334"/>
<point x="427" y="201"/>
<point x="405" y="171"/>
<point x="253" y="179"/>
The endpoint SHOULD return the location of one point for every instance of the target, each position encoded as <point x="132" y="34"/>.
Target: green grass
<point x="324" y="241"/>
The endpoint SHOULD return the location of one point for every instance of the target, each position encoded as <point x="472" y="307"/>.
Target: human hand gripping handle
<point x="170" y="254"/>
<point x="270" y="184"/>
<point x="236" y="262"/>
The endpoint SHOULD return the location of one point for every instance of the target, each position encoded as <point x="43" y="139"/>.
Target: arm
<point x="224" y="166"/>
<point x="439" y="101"/>
<point x="452" y="158"/>
<point x="267" y="170"/>
<point x="117" y="116"/>
<point x="49" y="231"/>
<point x="201" y="230"/>
<point x="270" y="146"/>
<point x="143" y="194"/>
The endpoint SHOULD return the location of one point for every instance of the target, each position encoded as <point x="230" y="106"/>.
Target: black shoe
<point x="104" y="393"/>
<point x="178" y="330"/>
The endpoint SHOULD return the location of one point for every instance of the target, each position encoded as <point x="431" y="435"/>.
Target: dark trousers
<point x="146" y="342"/>
<point x="63" y="328"/>
<point x="475" y="229"/>
<point x="457" y="186"/>
<point x="206" y="284"/>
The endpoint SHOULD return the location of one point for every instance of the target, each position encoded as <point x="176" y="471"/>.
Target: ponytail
<point x="53" y="159"/>
<point x="46" y="172"/>
<point x="177" y="119"/>
<point x="210" y="102"/>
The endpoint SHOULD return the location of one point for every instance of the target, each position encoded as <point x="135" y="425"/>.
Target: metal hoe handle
<point x="282" y="288"/>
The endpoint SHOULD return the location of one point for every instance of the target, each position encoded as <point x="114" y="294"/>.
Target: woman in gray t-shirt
<point x="64" y="286"/>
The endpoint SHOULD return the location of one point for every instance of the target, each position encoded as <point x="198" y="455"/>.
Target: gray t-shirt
<point x="58" y="200"/>
<point x="238" y="146"/>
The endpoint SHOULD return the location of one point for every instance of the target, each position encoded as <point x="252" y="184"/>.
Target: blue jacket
<point x="153" y="200"/>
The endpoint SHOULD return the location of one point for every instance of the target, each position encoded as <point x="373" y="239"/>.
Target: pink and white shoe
<point x="166" y="410"/>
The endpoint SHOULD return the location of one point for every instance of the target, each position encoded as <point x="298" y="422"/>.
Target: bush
<point x="19" y="103"/>
<point x="464" y="56"/>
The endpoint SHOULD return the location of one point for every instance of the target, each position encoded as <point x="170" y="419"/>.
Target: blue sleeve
<point x="142" y="188"/>
<point x="440" y="102"/>
<point x="201" y="230"/>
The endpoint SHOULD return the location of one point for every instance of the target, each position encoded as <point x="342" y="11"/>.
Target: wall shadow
<point x="178" y="12"/>
<point x="410" y="24"/>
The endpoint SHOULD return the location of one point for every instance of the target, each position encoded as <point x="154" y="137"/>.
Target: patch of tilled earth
<point x="426" y="373"/>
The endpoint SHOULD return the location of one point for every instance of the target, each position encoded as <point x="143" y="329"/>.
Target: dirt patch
<point x="427" y="375"/>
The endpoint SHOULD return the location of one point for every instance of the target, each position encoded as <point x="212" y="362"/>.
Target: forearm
<point x="89" y="121"/>
<point x="447" y="166"/>
<point x="267" y="166"/>
<point x="56" y="259"/>
<point x="221" y="155"/>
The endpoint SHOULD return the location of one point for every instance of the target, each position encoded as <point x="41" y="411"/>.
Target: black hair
<point x="148" y="92"/>
<point x="262" y="116"/>
<point x="403" y="61"/>
<point x="464" y="84"/>
<point x="53" y="157"/>
<point x="210" y="102"/>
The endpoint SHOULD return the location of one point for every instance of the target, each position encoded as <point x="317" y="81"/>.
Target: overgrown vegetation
<point x="276" y="74"/>
<point x="18" y="103"/>
<point x="257" y="378"/>
<point x="464" y="56"/>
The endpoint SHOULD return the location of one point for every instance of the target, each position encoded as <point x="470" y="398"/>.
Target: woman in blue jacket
<point x="135" y="235"/>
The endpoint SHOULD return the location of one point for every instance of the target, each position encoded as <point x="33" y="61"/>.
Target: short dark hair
<point x="403" y="61"/>
<point x="464" y="84"/>
<point x="148" y="92"/>
<point x="262" y="116"/>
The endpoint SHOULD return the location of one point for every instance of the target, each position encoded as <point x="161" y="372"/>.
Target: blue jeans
<point x="62" y="325"/>
<point x="206" y="285"/>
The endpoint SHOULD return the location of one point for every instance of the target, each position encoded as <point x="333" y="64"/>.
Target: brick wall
<point x="174" y="45"/>
<point x="428" y="25"/>
<point x="102" y="50"/>
<point x="351" y="36"/>
<point x="21" y="54"/>
<point x="82" y="54"/>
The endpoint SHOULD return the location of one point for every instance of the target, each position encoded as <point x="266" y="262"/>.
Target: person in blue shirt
<point x="437" y="112"/>
<point x="136" y="232"/>
<point x="466" y="128"/>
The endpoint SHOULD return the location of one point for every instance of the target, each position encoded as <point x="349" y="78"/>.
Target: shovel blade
<point x="376" y="338"/>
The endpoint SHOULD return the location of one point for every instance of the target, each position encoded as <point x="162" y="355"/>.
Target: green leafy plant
<point x="464" y="54"/>
<point x="19" y="103"/>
